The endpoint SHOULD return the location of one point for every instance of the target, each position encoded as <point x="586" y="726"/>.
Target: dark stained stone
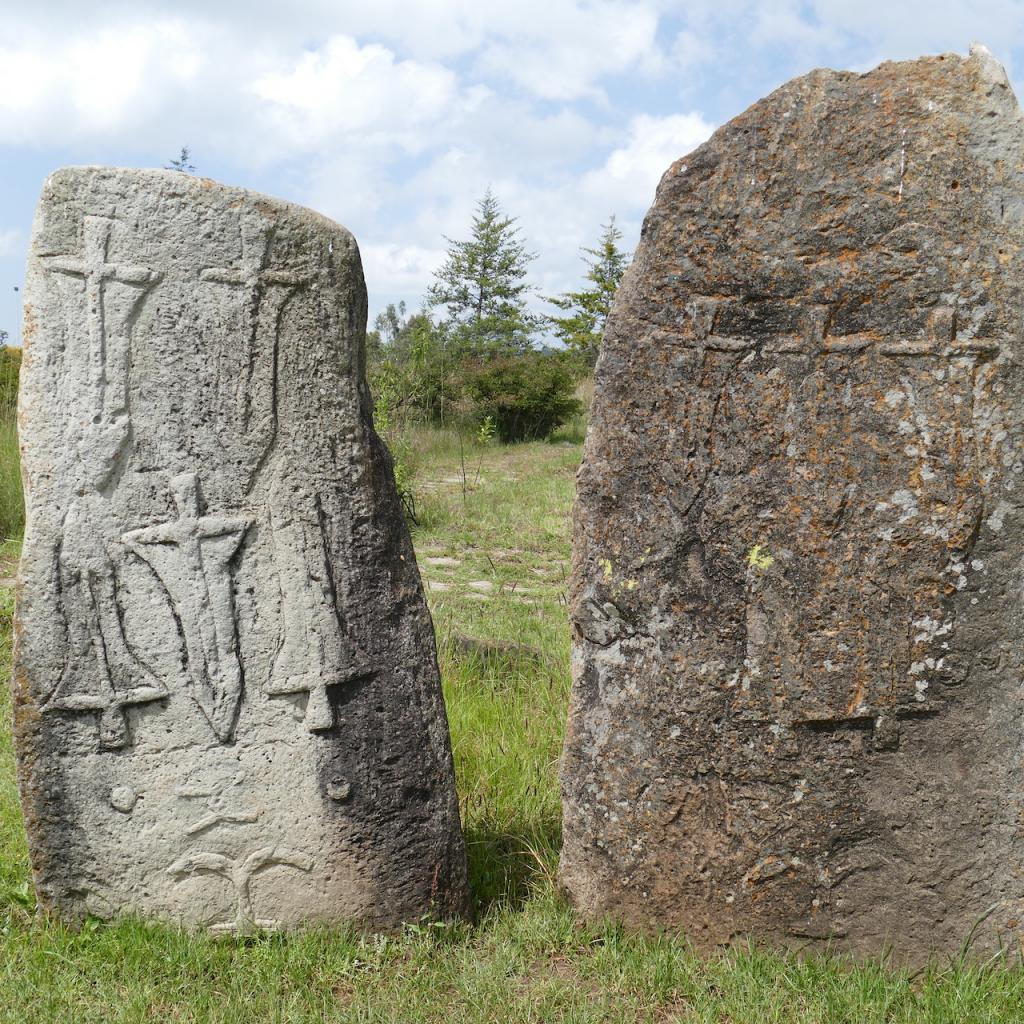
<point x="797" y="700"/>
<point x="227" y="704"/>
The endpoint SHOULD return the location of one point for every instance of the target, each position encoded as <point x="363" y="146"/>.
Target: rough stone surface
<point x="797" y="704"/>
<point x="227" y="704"/>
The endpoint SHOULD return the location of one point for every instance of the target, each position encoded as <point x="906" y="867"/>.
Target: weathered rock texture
<point x="797" y="705"/>
<point x="227" y="705"/>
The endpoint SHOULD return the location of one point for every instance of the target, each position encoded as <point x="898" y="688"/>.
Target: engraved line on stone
<point x="316" y="652"/>
<point x="107" y="371"/>
<point x="908" y="348"/>
<point x="216" y="806"/>
<point x="240" y="874"/>
<point x="255" y="278"/>
<point x="852" y="344"/>
<point x="815" y="324"/>
<point x="982" y="346"/>
<point x="192" y="556"/>
<point x="703" y="312"/>
<point x="847" y="343"/>
<point x="790" y="345"/>
<point x="720" y="343"/>
<point x="102" y="673"/>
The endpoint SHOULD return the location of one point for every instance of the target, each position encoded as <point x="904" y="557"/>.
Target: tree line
<point x="474" y="351"/>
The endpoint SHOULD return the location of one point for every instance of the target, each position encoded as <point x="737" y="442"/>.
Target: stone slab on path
<point x="797" y="710"/>
<point x="227" y="705"/>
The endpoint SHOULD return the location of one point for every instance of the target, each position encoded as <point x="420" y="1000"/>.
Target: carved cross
<point x="192" y="557"/>
<point x="252" y="272"/>
<point x="108" y="351"/>
<point x="251" y="402"/>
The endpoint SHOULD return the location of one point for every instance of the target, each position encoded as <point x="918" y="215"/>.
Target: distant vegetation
<point x="182" y="162"/>
<point x="470" y="358"/>
<point x="12" y="506"/>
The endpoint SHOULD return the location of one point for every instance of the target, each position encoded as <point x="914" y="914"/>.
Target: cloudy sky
<point x="393" y="116"/>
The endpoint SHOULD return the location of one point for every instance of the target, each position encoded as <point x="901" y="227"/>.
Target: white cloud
<point x="399" y="271"/>
<point x="560" y="51"/>
<point x="631" y="172"/>
<point x="145" y="84"/>
<point x="393" y="116"/>
<point x="343" y="88"/>
<point x="96" y="85"/>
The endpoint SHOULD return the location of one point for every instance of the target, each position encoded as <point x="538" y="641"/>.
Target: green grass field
<point x="493" y="546"/>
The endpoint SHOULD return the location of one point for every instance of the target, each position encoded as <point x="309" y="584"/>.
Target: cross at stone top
<point x="107" y="370"/>
<point x="252" y="273"/>
<point x="93" y="265"/>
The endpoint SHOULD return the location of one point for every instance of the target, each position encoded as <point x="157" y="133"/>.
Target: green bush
<point x="526" y="396"/>
<point x="417" y="373"/>
<point x="391" y="422"/>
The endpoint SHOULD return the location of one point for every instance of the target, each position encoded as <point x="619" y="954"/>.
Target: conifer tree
<point x="182" y="162"/>
<point x="582" y="329"/>
<point x="482" y="285"/>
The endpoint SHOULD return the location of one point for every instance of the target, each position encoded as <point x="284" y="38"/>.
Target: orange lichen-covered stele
<point x="803" y="721"/>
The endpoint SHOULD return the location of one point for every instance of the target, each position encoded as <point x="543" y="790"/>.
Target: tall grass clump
<point x="12" y="501"/>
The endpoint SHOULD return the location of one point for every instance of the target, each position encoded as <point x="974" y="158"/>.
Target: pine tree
<point x="588" y="310"/>
<point x="482" y="285"/>
<point x="183" y="162"/>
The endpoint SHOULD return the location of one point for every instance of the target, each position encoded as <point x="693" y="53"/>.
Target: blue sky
<point x="393" y="117"/>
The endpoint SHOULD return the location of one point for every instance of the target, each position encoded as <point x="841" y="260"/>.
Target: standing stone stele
<point x="227" y="705"/>
<point x="798" y="590"/>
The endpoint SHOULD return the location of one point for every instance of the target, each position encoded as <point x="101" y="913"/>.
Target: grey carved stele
<point x="797" y="604"/>
<point x="227" y="704"/>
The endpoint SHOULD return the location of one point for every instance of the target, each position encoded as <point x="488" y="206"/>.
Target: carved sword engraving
<point x="217" y="802"/>
<point x="247" y="391"/>
<point x="316" y="652"/>
<point x="192" y="556"/>
<point x="102" y="673"/>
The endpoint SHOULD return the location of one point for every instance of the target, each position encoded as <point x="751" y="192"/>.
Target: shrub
<point x="526" y="396"/>
<point x="389" y="422"/>
<point x="416" y="370"/>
